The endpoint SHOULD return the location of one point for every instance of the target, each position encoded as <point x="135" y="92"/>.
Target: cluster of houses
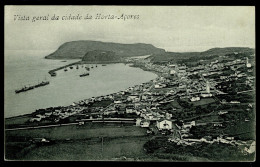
<point x="176" y="80"/>
<point x="144" y="99"/>
<point x="58" y="113"/>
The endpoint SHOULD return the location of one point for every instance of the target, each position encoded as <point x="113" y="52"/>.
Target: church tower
<point x="207" y="87"/>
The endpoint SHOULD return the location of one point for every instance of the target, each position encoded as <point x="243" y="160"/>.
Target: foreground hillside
<point x="77" y="49"/>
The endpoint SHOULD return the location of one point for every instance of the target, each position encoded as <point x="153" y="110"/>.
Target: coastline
<point x="82" y="62"/>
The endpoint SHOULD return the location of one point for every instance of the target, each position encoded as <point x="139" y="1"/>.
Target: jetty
<point x="62" y="67"/>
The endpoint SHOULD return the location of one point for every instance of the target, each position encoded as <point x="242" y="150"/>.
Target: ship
<point x="24" y="89"/>
<point x="83" y="75"/>
<point x="43" y="83"/>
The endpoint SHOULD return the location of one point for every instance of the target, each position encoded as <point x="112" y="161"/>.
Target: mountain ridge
<point x="77" y="49"/>
<point x="175" y="56"/>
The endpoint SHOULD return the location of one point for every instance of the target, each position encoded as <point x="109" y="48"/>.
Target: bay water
<point x="24" y="68"/>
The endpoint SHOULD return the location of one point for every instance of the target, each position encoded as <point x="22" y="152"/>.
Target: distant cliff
<point x="77" y="49"/>
<point x="101" y="56"/>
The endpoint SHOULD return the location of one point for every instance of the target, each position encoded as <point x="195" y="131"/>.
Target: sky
<point x="173" y="28"/>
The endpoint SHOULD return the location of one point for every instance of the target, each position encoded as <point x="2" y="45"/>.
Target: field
<point x="113" y="149"/>
<point x="77" y="142"/>
<point x="89" y="130"/>
<point x="16" y="120"/>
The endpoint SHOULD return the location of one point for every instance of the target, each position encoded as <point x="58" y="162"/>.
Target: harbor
<point x="59" y="91"/>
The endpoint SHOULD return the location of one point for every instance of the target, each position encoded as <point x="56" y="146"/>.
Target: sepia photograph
<point x="129" y="83"/>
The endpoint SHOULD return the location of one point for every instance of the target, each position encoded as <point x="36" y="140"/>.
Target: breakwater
<point x="62" y="67"/>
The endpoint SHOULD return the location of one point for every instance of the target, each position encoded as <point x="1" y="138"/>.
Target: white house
<point x="206" y="94"/>
<point x="164" y="124"/>
<point x="35" y="119"/>
<point x="117" y="102"/>
<point x="145" y="123"/>
<point x="138" y="122"/>
<point x="172" y="72"/>
<point x="129" y="110"/>
<point x="132" y="97"/>
<point x="189" y="124"/>
<point x="195" y="99"/>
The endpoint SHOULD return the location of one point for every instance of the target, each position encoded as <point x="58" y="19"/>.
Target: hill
<point x="101" y="56"/>
<point x="77" y="49"/>
<point x="180" y="57"/>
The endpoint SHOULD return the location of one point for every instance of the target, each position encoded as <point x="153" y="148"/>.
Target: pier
<point x="62" y="67"/>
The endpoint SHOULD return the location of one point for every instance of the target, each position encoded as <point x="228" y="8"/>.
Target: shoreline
<point x="81" y="62"/>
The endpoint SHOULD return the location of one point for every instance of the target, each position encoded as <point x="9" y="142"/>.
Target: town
<point x="210" y="103"/>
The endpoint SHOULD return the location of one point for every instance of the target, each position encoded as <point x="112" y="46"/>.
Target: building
<point x="195" y="99"/>
<point x="189" y="124"/>
<point x="248" y="65"/>
<point x="207" y="92"/>
<point x="145" y="123"/>
<point x="138" y="122"/>
<point x="172" y="72"/>
<point x="164" y="124"/>
<point x="207" y="87"/>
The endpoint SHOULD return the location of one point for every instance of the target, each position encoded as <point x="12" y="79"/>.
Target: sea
<point x="29" y="67"/>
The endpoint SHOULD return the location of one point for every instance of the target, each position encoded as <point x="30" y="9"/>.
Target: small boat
<point x="63" y="61"/>
<point x="53" y="74"/>
<point x="83" y="75"/>
<point x="71" y="67"/>
<point x="65" y="69"/>
<point x="96" y="65"/>
<point x="92" y="67"/>
<point x="77" y="67"/>
<point x="103" y="64"/>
